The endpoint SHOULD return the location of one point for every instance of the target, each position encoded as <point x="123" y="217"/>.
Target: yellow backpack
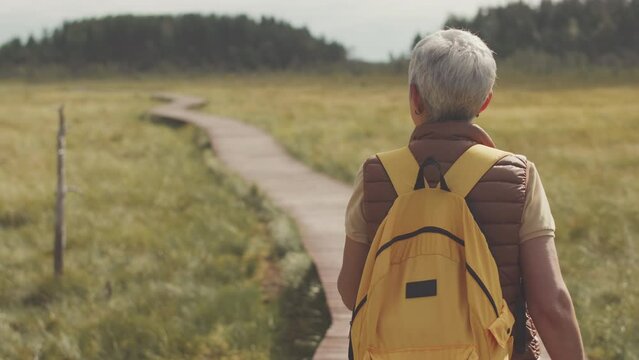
<point x="430" y="287"/>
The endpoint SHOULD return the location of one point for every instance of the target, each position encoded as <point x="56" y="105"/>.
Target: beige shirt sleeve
<point x="537" y="218"/>
<point x="355" y="223"/>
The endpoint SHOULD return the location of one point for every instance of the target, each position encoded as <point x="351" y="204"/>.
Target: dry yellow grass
<point x="581" y="134"/>
<point x="166" y="249"/>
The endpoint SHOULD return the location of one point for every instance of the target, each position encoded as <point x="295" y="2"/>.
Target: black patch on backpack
<point x="417" y="289"/>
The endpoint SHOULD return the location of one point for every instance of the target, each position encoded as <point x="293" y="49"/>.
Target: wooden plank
<point x="61" y="190"/>
<point x="314" y="200"/>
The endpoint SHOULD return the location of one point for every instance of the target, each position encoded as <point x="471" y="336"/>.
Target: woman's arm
<point x="352" y="266"/>
<point x="549" y="301"/>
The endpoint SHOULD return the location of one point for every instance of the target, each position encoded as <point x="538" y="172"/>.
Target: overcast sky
<point x="370" y="29"/>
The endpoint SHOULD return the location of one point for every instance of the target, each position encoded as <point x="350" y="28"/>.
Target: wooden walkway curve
<point x="315" y="201"/>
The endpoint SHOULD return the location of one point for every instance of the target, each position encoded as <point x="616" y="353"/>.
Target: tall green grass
<point x="169" y="255"/>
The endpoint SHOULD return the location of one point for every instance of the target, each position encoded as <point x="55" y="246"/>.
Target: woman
<point x="451" y="77"/>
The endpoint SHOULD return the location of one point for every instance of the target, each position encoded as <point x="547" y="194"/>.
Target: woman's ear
<point x="417" y="107"/>
<point x="416" y="103"/>
<point x="486" y="103"/>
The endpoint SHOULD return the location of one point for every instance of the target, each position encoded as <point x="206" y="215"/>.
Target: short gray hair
<point x="454" y="72"/>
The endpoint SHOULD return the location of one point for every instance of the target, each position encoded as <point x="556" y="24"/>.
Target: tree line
<point x="194" y="41"/>
<point x="603" y="31"/>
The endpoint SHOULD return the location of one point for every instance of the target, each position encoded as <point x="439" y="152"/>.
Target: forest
<point x="566" y="33"/>
<point x="142" y="43"/>
<point x="602" y="32"/>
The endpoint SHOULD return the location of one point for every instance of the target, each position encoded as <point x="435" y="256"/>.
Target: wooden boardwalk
<point x="315" y="201"/>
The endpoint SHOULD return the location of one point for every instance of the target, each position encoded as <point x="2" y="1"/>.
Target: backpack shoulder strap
<point x="401" y="167"/>
<point x="465" y="173"/>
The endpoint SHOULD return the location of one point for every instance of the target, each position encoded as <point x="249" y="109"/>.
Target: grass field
<point x="581" y="133"/>
<point x="169" y="256"/>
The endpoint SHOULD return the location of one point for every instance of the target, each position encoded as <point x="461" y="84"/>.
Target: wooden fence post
<point x="60" y="235"/>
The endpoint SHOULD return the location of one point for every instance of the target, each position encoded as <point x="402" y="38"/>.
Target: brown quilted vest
<point x="496" y="202"/>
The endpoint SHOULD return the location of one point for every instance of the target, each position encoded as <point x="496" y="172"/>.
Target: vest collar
<point x="452" y="130"/>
